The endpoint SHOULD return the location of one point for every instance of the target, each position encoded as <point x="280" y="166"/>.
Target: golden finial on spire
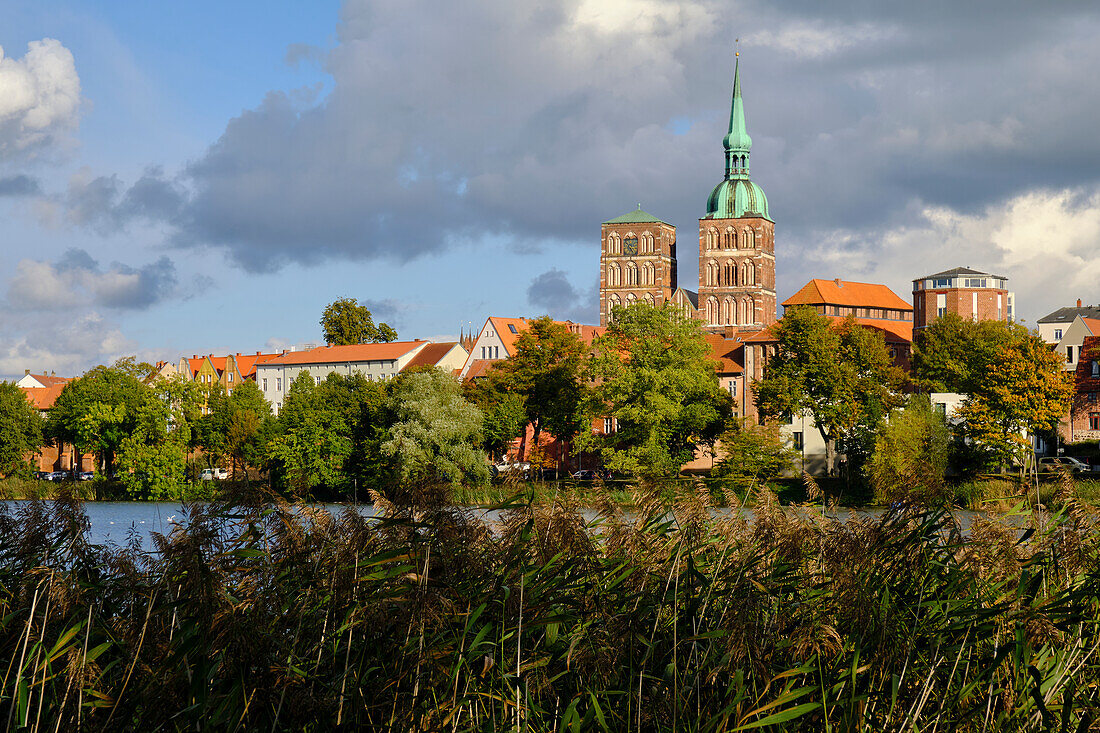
<point x="737" y="52"/>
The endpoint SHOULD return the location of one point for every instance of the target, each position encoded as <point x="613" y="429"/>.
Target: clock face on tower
<point x="630" y="245"/>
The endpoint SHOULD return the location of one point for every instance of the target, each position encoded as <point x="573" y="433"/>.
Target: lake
<point x="114" y="522"/>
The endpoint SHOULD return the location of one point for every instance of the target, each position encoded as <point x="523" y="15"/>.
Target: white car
<point x="209" y="474"/>
<point x="512" y="469"/>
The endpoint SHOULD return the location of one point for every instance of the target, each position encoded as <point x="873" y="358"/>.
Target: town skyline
<point x="167" y="192"/>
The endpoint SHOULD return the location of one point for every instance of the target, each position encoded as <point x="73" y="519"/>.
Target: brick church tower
<point x="637" y="261"/>
<point x="737" y="239"/>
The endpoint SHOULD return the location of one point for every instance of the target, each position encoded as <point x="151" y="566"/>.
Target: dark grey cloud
<point x="19" y="185"/>
<point x="555" y="295"/>
<point x="76" y="281"/>
<point x="533" y="122"/>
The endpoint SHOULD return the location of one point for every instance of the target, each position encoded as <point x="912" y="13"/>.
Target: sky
<point x="205" y="177"/>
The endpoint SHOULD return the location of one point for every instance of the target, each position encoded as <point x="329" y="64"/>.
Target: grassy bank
<point x="263" y="616"/>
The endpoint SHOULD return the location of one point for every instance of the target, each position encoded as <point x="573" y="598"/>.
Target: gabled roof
<point x="1093" y="325"/>
<point x="635" y="217"/>
<point x="508" y="329"/>
<point x="479" y="368"/>
<point x="431" y="354"/>
<point x="218" y="362"/>
<point x="844" y="292"/>
<point x="44" y="397"/>
<point x="246" y="363"/>
<point x="49" y="380"/>
<point x="955" y="272"/>
<point x="350" y="353"/>
<point x="1066" y="315"/>
<point x="691" y="296"/>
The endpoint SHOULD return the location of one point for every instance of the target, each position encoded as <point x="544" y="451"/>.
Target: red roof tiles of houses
<point x="895" y="331"/>
<point x="479" y="368"/>
<point x="508" y="329"/>
<point x="431" y="354"/>
<point x="350" y="353"/>
<point x="1093" y="325"/>
<point x="44" y="397"/>
<point x="48" y="380"/>
<point x="725" y="352"/>
<point x="246" y="363"/>
<point x="843" y="292"/>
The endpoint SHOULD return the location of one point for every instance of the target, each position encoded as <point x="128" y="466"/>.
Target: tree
<point x="545" y="372"/>
<point x="96" y="412"/>
<point x="1025" y="391"/>
<point x="363" y="408"/>
<point x="152" y="456"/>
<point x="247" y="427"/>
<point x="346" y="322"/>
<point x="653" y="375"/>
<point x="21" y="428"/>
<point x="502" y="409"/>
<point x="911" y="454"/>
<point x="435" y="435"/>
<point x="839" y="372"/>
<point x="954" y="354"/>
<point x="754" y="452"/>
<point x="312" y="443"/>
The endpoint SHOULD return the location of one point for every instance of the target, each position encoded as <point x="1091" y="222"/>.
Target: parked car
<point x="1051" y="464"/>
<point x="209" y="474"/>
<point x="57" y="476"/>
<point x="519" y="469"/>
<point x="585" y="475"/>
<point x="42" y="475"/>
<point x="85" y="476"/>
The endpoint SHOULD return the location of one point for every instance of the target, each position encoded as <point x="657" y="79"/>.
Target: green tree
<point x="753" y="453"/>
<point x="545" y="372"/>
<point x="502" y="409"/>
<point x="1025" y="391"/>
<point x="435" y="436"/>
<point x="21" y="430"/>
<point x="311" y="444"/>
<point x="96" y="412"/>
<point x="839" y="372"/>
<point x="653" y="374"/>
<point x="152" y="456"/>
<point x="363" y="409"/>
<point x="954" y="354"/>
<point x="911" y="453"/>
<point x="344" y="322"/>
<point x="247" y="427"/>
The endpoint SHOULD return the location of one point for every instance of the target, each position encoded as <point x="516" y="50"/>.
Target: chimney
<point x="837" y="281"/>
<point x="53" y="373"/>
<point x="194" y="356"/>
<point x="26" y="372"/>
<point x="1078" y="302"/>
<point x="257" y="353"/>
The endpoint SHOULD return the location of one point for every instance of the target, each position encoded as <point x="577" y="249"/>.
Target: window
<point x="733" y="388"/>
<point x="1057" y="334"/>
<point x="608" y="425"/>
<point x="1094" y="421"/>
<point x="1069" y="354"/>
<point x="265" y="384"/>
<point x="230" y="376"/>
<point x="317" y="380"/>
<point x="1092" y="397"/>
<point x="512" y="328"/>
<point x="278" y="385"/>
<point x="974" y="306"/>
<point x="1096" y="368"/>
<point x="796" y="439"/>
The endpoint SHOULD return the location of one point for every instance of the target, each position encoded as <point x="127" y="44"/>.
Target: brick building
<point x="1084" y="415"/>
<point x="969" y="294"/>
<point x="736" y="249"/>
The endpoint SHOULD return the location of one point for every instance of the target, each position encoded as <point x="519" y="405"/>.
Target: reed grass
<point x="260" y="615"/>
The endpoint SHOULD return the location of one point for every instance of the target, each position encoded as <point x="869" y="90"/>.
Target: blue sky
<point x="205" y="177"/>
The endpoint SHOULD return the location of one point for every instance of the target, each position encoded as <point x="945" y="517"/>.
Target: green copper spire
<point x="737" y="196"/>
<point x="737" y="140"/>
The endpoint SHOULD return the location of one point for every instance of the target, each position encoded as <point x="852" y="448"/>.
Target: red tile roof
<point x="479" y="368"/>
<point x="1093" y="325"/>
<point x="44" y="397"/>
<point x="350" y="353"/>
<point x="504" y="328"/>
<point x="843" y="292"/>
<point x="726" y="352"/>
<point x="431" y="354"/>
<point x="48" y="380"/>
<point x="246" y="363"/>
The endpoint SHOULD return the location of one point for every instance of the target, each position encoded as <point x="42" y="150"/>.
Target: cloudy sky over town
<point x="205" y="176"/>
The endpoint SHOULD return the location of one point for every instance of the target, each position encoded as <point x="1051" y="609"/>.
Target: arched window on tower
<point x="631" y="299"/>
<point x="730" y="239"/>
<point x="750" y="274"/>
<point x="712" y="238"/>
<point x="631" y="274"/>
<point x="729" y="311"/>
<point x="649" y="299"/>
<point x="750" y="239"/>
<point x="614" y="274"/>
<point x="750" y="307"/>
<point x="647" y="243"/>
<point x="612" y="303"/>
<point x="712" y="311"/>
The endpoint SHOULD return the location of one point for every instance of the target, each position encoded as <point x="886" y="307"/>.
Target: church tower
<point x="637" y="261"/>
<point x="737" y="239"/>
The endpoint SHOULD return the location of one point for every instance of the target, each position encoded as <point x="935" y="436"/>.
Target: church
<point x="736" y="249"/>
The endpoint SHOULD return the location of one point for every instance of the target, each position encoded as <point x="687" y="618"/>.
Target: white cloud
<point x="1044" y="241"/>
<point x="39" y="97"/>
<point x="65" y="346"/>
<point x="817" y="39"/>
<point x="77" y="281"/>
